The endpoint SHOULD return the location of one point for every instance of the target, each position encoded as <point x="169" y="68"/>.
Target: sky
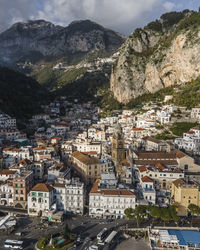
<point x="122" y="16"/>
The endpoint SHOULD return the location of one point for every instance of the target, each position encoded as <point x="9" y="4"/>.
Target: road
<point x="87" y="227"/>
<point x="13" y="209"/>
<point x="33" y="229"/>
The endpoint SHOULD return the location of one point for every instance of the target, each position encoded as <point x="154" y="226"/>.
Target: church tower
<point x="118" y="150"/>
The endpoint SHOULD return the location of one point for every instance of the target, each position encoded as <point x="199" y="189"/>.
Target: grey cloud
<point x="120" y="15"/>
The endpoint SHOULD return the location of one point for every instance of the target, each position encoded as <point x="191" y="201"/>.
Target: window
<point x="40" y="194"/>
<point x="21" y="185"/>
<point x="33" y="194"/>
<point x="16" y="198"/>
<point x="45" y="201"/>
<point x="16" y="191"/>
<point x="21" y="198"/>
<point x="22" y="192"/>
<point x="16" y="185"/>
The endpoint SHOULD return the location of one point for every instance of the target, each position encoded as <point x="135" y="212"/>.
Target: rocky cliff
<point x="36" y="40"/>
<point x="164" y="53"/>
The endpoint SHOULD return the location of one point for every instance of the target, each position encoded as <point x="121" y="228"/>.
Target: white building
<point x="40" y="200"/>
<point x="6" y="193"/>
<point x="147" y="189"/>
<point x="105" y="203"/>
<point x="195" y="114"/>
<point x="145" y="123"/>
<point x="75" y="197"/>
<point x="190" y="141"/>
<point x="86" y="146"/>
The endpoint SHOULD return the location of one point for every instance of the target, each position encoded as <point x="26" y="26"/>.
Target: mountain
<point x="38" y="40"/>
<point x="20" y="96"/>
<point x="164" y="53"/>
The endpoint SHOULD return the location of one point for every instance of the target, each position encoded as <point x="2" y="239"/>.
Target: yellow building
<point x="185" y="193"/>
<point x="89" y="168"/>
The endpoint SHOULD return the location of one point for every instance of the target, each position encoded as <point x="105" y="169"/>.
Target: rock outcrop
<point x="163" y="54"/>
<point x="35" y="40"/>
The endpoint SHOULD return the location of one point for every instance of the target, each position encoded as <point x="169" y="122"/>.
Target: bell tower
<point x="118" y="150"/>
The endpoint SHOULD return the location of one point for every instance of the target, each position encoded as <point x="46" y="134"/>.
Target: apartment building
<point x="87" y="167"/>
<point x="22" y="184"/>
<point x="40" y="200"/>
<point x="110" y="203"/>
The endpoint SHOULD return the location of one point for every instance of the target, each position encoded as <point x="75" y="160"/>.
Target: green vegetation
<point x="189" y="95"/>
<point x="43" y="243"/>
<point x="155" y="25"/>
<point x="150" y="97"/>
<point x="20" y="96"/>
<point x="165" y="136"/>
<point x="194" y="209"/>
<point x="171" y="18"/>
<point x="55" y="79"/>
<point x="85" y="88"/>
<point x="141" y="212"/>
<point x="108" y="103"/>
<point x="179" y="128"/>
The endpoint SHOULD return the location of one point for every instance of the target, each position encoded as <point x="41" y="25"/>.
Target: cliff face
<point x="164" y="53"/>
<point x="45" y="39"/>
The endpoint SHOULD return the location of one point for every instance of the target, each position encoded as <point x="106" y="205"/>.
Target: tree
<point x="173" y="213"/>
<point x="66" y="232"/>
<point x="130" y="213"/>
<point x="193" y="210"/>
<point x="155" y="211"/>
<point x="138" y="213"/>
<point x="165" y="215"/>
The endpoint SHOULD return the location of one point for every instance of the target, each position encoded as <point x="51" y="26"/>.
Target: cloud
<point x="169" y="6"/>
<point x="116" y="14"/>
<point x="120" y="15"/>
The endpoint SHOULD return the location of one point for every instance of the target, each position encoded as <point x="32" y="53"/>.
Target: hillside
<point x="39" y="40"/>
<point x="20" y="96"/>
<point x="162" y="54"/>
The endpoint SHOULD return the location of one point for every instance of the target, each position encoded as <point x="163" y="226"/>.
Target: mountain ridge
<point x="162" y="54"/>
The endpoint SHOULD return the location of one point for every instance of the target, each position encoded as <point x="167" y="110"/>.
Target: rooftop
<point x="42" y="187"/>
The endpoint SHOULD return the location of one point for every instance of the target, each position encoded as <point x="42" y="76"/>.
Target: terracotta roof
<point x="196" y="128"/>
<point x="125" y="163"/>
<point x="59" y="185"/>
<point x="90" y="153"/>
<point x="159" y="166"/>
<point x="11" y="149"/>
<point x="142" y="169"/>
<point x="42" y="187"/>
<point x="137" y="129"/>
<point x="154" y="162"/>
<point x="179" y="154"/>
<point x="7" y="172"/>
<point x="177" y="182"/>
<point x="117" y="192"/>
<point x="111" y="192"/>
<point x="149" y="138"/>
<point x="155" y="155"/>
<point x="85" y="158"/>
<point x="146" y="179"/>
<point x="190" y="132"/>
